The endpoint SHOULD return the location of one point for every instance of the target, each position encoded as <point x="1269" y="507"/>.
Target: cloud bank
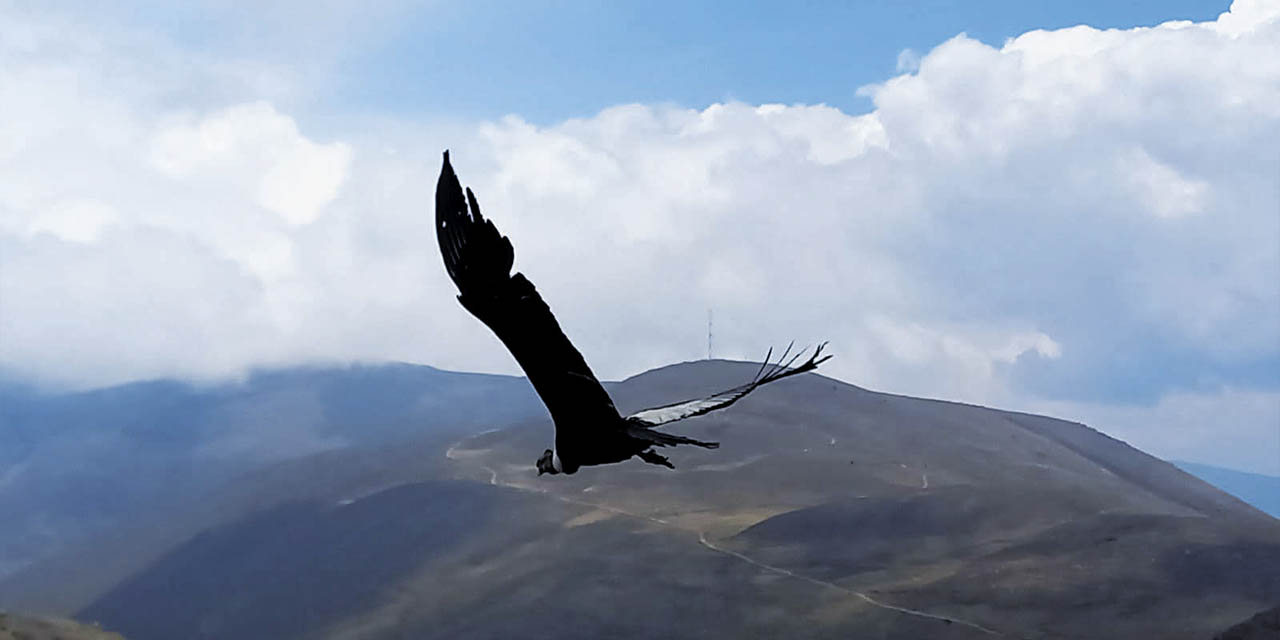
<point x="1080" y="221"/>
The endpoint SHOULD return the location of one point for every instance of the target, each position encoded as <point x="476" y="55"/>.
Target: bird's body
<point x="589" y="429"/>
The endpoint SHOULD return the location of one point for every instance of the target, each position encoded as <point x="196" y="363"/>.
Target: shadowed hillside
<point x="289" y="570"/>
<point x="96" y="481"/>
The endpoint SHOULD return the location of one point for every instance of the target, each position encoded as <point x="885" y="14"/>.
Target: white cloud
<point x="1005" y="220"/>
<point x="254" y="148"/>
<point x="74" y="221"/>
<point x="1164" y="192"/>
<point x="1247" y="16"/>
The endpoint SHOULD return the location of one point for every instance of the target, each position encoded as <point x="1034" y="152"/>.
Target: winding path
<point x="702" y="539"/>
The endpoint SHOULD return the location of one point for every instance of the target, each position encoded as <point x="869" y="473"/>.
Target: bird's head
<point x="546" y="463"/>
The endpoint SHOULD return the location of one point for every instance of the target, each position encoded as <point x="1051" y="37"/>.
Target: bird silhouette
<point x="588" y="428"/>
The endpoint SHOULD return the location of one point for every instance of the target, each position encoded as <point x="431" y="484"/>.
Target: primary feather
<point x="769" y="372"/>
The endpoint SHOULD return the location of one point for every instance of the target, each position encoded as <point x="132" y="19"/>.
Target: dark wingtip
<point x="817" y="352"/>
<point x="814" y="360"/>
<point x="448" y="179"/>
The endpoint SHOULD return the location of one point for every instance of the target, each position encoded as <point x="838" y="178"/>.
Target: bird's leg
<point x="653" y="457"/>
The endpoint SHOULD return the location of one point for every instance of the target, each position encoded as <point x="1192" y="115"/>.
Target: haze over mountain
<point x="829" y="510"/>
<point x="1261" y="491"/>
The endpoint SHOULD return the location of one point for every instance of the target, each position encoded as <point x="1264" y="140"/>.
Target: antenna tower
<point x="708" y="334"/>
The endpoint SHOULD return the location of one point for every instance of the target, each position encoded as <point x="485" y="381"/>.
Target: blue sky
<point x="552" y="60"/>
<point x="1073" y="220"/>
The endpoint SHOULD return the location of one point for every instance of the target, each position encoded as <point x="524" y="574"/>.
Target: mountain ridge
<point x="961" y="512"/>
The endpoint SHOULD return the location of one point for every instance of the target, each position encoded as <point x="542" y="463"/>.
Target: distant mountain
<point x="1261" y="491"/>
<point x="77" y="465"/>
<point x="828" y="511"/>
<point x="1263" y="626"/>
<point x="14" y="627"/>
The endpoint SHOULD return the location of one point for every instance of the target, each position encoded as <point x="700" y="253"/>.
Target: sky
<point x="1064" y="208"/>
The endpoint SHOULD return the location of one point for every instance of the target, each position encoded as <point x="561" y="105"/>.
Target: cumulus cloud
<point x="1080" y="219"/>
<point x="253" y="148"/>
<point x="73" y="221"/>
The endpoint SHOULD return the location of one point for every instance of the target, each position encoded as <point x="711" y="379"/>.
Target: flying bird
<point x="588" y="428"/>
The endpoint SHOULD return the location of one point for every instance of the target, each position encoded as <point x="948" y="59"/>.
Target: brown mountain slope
<point x="828" y="511"/>
<point x="1025" y="524"/>
<point x="15" y="627"/>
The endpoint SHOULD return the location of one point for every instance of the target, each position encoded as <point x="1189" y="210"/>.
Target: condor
<point x="589" y="429"/>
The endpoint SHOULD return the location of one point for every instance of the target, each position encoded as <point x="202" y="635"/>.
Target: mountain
<point x="78" y="465"/>
<point x="828" y="511"/>
<point x="1261" y="491"/>
<point x="14" y="627"/>
<point x="1263" y="626"/>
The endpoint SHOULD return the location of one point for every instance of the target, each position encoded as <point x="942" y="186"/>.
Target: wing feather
<point x="769" y="372"/>
<point x="479" y="259"/>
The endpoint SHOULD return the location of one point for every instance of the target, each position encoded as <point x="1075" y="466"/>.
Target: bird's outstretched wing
<point x="769" y="372"/>
<point x="479" y="260"/>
